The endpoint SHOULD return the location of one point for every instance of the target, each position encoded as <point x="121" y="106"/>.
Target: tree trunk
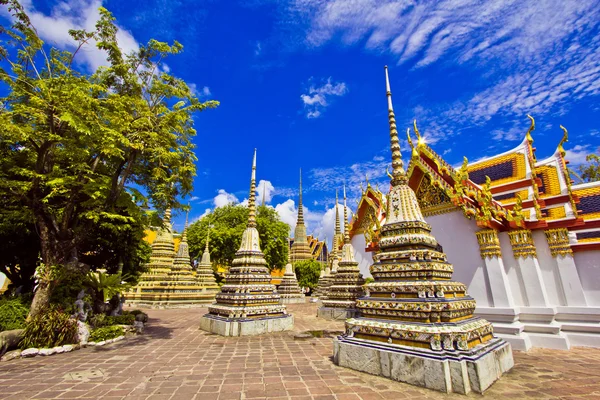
<point x="41" y="298"/>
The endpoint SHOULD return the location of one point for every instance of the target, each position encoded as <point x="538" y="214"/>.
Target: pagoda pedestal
<point x="245" y="327"/>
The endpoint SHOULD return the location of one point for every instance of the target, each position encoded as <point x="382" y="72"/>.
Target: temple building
<point x="318" y="248"/>
<point x="170" y="281"/>
<point x="520" y="232"/>
<point x="300" y="248"/>
<point x="288" y="289"/>
<point x="415" y="323"/>
<point x="248" y="303"/>
<point x="347" y="284"/>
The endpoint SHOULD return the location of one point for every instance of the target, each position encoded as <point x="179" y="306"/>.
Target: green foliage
<point x="68" y="284"/>
<point x="50" y="328"/>
<point x="106" y="333"/>
<point x="101" y="320"/>
<point x="589" y="172"/>
<point x="307" y="273"/>
<point x="133" y="312"/>
<point x="106" y="285"/>
<point x="12" y="314"/>
<point x="369" y="280"/>
<point x="228" y="224"/>
<point x="75" y="147"/>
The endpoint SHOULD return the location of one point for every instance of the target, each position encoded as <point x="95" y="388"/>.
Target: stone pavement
<point x="174" y="360"/>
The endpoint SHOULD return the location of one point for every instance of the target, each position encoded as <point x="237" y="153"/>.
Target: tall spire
<point x="207" y="239"/>
<point x="346" y="227"/>
<point x="252" y="196"/>
<point x="337" y="215"/>
<point x="398" y="173"/>
<point x="184" y="234"/>
<point x="300" y="212"/>
<point x="264" y="194"/>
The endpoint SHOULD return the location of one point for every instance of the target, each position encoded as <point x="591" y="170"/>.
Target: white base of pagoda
<point x="334" y="313"/>
<point x="162" y="304"/>
<point x="549" y="327"/>
<point x="445" y="371"/>
<point x="292" y="299"/>
<point x="245" y="327"/>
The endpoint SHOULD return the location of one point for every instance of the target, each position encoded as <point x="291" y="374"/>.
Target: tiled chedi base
<point x="449" y="371"/>
<point x="292" y="299"/>
<point x="247" y="327"/>
<point x="336" y="313"/>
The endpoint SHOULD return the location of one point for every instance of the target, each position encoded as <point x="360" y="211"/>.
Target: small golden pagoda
<point x="347" y="284"/>
<point x="248" y="303"/>
<point x="319" y="289"/>
<point x="415" y="324"/>
<point x="170" y="281"/>
<point x="204" y="273"/>
<point x="330" y="272"/>
<point x="300" y="248"/>
<point x="288" y="289"/>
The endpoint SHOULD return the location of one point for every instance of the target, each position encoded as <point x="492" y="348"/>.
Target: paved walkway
<point x="174" y="360"/>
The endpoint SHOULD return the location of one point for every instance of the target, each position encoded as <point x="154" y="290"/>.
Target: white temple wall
<point x="456" y="234"/>
<point x="2" y="279"/>
<point x="364" y="258"/>
<point x="512" y="270"/>
<point x="549" y="269"/>
<point x="588" y="267"/>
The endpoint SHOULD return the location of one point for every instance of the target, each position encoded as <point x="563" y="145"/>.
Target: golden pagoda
<point x="204" y="273"/>
<point x="347" y="284"/>
<point x="330" y="272"/>
<point x="288" y="289"/>
<point x="300" y="248"/>
<point x="170" y="281"/>
<point x="248" y="303"/>
<point x="415" y="324"/>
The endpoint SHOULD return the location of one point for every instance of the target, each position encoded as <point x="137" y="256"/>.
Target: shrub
<point x="133" y="312"/>
<point x="100" y="320"/>
<point x="12" y="315"/>
<point x="307" y="273"/>
<point x="105" y="333"/>
<point x="50" y="328"/>
<point x="369" y="280"/>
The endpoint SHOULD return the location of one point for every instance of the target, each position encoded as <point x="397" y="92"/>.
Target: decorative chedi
<point x="318" y="290"/>
<point x="248" y="303"/>
<point x="330" y="272"/>
<point x="300" y="249"/>
<point x="170" y="281"/>
<point x="346" y="285"/>
<point x="288" y="289"/>
<point x="415" y="325"/>
<point x="204" y="274"/>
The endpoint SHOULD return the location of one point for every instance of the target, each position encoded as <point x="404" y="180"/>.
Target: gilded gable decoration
<point x="522" y="243"/>
<point x="558" y="240"/>
<point x="489" y="244"/>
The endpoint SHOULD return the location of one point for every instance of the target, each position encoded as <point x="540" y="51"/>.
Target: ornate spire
<point x="337" y="215"/>
<point x="263" y="195"/>
<point x="346" y="228"/>
<point x="398" y="173"/>
<point x="252" y="197"/>
<point x="184" y="234"/>
<point x="300" y="212"/>
<point x="167" y="219"/>
<point x="207" y="239"/>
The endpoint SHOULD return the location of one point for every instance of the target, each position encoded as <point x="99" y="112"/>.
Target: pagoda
<point x="170" y="281"/>
<point x="288" y="289"/>
<point x="248" y="303"/>
<point x="330" y="272"/>
<point x="300" y="248"/>
<point x="346" y="285"/>
<point x="318" y="290"/>
<point x="415" y="324"/>
<point x="204" y="273"/>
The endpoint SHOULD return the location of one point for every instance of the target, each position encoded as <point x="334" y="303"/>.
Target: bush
<point x="307" y="273"/>
<point x="369" y="280"/>
<point x="100" y="320"/>
<point x="50" y="328"/>
<point x="133" y="312"/>
<point x="12" y="315"/>
<point x="105" y="333"/>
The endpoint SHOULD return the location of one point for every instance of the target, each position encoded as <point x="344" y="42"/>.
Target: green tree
<point x="307" y="273"/>
<point x="228" y="223"/>
<point x="589" y="172"/>
<point x="75" y="148"/>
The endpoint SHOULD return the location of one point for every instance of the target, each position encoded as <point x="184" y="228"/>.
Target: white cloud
<point x="198" y="218"/>
<point x="257" y="49"/>
<point x="75" y="14"/>
<point x="576" y="156"/>
<point x="194" y="198"/>
<point x="266" y="188"/>
<point x="318" y="98"/>
<point x="200" y="93"/>
<point x="223" y="198"/>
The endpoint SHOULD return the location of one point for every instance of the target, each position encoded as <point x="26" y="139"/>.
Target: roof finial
<point x="367" y="179"/>
<point x="414" y="150"/>
<point x="252" y="197"/>
<point x="564" y="139"/>
<point x="398" y="173"/>
<point x="300" y="212"/>
<point x="531" y="128"/>
<point x="419" y="138"/>
<point x="346" y="228"/>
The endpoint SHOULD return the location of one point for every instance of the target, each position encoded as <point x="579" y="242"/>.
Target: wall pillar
<point x="526" y="257"/>
<point x="560" y="249"/>
<point x="489" y="246"/>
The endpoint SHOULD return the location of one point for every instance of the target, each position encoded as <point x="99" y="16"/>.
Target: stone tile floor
<point x="174" y="360"/>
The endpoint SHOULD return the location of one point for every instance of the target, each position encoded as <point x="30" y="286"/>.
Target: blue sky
<point x="303" y="82"/>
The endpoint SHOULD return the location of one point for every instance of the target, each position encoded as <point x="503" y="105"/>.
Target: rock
<point x="9" y="340"/>
<point x="142" y="317"/>
<point x="83" y="332"/>
<point x="119" y="338"/>
<point x="67" y="348"/>
<point x="31" y="352"/>
<point x="102" y="343"/>
<point x="109" y="341"/>
<point x="139" y="326"/>
<point x="11" y="355"/>
<point x="47" y="352"/>
<point x="58" y="349"/>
